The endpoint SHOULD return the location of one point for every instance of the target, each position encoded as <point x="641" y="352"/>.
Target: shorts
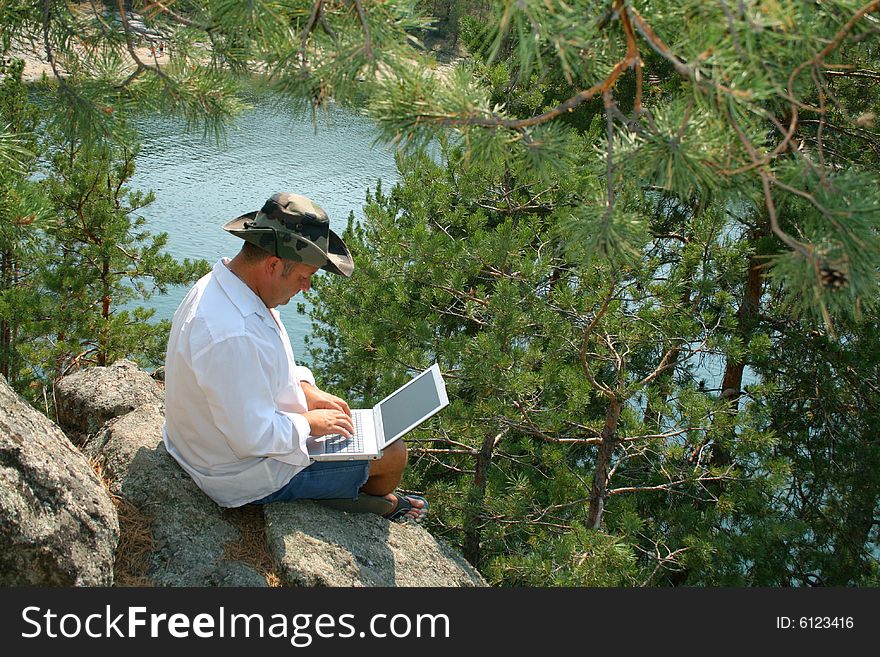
<point x="324" y="480"/>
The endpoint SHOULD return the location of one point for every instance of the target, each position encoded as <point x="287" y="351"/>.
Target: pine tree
<point x="551" y="367"/>
<point x="711" y="481"/>
<point x="697" y="98"/>
<point x="102" y="258"/>
<point x="22" y="210"/>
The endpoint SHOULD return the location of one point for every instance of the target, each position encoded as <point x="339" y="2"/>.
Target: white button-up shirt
<point x="233" y="400"/>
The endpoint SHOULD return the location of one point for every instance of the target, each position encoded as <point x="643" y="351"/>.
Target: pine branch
<point x="609" y="154"/>
<point x="140" y="66"/>
<point x="152" y="9"/>
<point x="105" y="28"/>
<point x="760" y="163"/>
<point x="314" y="16"/>
<point x="671" y="485"/>
<point x="662" y="561"/>
<point x="870" y="75"/>
<point x="665" y="435"/>
<point x="814" y="62"/>
<point x="445" y="439"/>
<point x="432" y="450"/>
<point x="50" y="55"/>
<point x="731" y="27"/>
<point x="532" y="429"/>
<point x="588" y="331"/>
<point x="495" y="121"/>
<point x="365" y="26"/>
<point x="691" y="72"/>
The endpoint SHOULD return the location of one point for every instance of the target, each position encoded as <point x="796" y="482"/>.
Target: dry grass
<point x="251" y="546"/>
<point x="132" y="563"/>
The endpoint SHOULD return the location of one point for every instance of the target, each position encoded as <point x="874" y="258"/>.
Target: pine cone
<point x="832" y="278"/>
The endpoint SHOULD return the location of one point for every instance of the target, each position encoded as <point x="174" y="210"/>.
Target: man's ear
<point x="272" y="263"/>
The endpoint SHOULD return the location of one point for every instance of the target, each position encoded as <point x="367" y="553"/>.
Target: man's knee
<point x="393" y="460"/>
<point x="396" y="451"/>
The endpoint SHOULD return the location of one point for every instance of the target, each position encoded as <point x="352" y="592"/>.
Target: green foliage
<point x="612" y="235"/>
<point x="644" y="253"/>
<point x="22" y="211"/>
<point x="677" y="149"/>
<point x="826" y="432"/>
<point x="579" y="558"/>
<point x="99" y="256"/>
<point x="75" y="256"/>
<point x="837" y="277"/>
<point x="462" y="265"/>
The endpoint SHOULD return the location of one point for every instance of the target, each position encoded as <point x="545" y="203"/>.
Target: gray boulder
<point x="92" y="396"/>
<point x="189" y="529"/>
<point x="317" y="546"/>
<point x="58" y="525"/>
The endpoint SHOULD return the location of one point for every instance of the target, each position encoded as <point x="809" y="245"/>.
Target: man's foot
<point x="407" y="507"/>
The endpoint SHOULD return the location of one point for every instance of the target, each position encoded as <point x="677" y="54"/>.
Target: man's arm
<point x="234" y="375"/>
<point x="317" y="398"/>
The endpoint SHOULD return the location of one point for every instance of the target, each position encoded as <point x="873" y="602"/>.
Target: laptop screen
<point x="411" y="404"/>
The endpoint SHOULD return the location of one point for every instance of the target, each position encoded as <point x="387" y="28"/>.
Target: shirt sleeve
<point x="305" y="374"/>
<point x="235" y="376"/>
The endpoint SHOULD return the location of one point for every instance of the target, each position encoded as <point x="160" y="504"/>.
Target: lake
<point x="200" y="184"/>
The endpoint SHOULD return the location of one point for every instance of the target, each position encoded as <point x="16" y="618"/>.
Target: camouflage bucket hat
<point x="293" y="227"/>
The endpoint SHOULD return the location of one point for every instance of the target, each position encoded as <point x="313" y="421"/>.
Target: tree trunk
<point x="473" y="521"/>
<point x="105" y="314"/>
<point x="746" y="318"/>
<point x="599" y="492"/>
<point x="5" y="327"/>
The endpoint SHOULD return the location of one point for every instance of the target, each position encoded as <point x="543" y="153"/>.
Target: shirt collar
<point x="243" y="297"/>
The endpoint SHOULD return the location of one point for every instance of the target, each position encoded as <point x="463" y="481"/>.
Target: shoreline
<point x="36" y="64"/>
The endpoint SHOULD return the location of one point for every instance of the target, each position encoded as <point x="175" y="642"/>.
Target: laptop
<point x="376" y="428"/>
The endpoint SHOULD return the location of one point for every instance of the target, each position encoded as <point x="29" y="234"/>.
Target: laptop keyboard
<point x="339" y="444"/>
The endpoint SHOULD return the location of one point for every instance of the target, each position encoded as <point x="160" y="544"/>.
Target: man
<point x="238" y="410"/>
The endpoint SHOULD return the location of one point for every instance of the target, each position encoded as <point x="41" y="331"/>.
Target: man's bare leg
<point x="385" y="475"/>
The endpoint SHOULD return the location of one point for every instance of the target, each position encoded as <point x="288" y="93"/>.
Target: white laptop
<point x="377" y="427"/>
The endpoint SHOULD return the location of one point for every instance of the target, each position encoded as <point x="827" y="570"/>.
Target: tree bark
<point x="599" y="492"/>
<point x="5" y="327"/>
<point x="473" y="521"/>
<point x="746" y="320"/>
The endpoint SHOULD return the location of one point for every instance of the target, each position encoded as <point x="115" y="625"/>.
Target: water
<point x="200" y="185"/>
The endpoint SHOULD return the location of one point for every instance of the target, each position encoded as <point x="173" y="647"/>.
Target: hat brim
<point x="337" y="261"/>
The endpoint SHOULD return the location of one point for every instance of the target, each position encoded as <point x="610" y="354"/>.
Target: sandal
<point x="404" y="506"/>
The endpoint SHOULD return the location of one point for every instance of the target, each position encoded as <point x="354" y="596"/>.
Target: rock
<point x="317" y="546"/>
<point x="58" y="525"/>
<point x="189" y="531"/>
<point x="312" y="545"/>
<point x="90" y="397"/>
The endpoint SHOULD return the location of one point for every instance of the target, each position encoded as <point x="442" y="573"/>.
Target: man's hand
<point x="316" y="399"/>
<point x="323" y="422"/>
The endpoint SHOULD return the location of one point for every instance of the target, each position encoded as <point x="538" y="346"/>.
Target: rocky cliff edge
<point x="114" y="417"/>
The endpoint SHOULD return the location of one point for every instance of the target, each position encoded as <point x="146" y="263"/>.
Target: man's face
<point x="283" y="287"/>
